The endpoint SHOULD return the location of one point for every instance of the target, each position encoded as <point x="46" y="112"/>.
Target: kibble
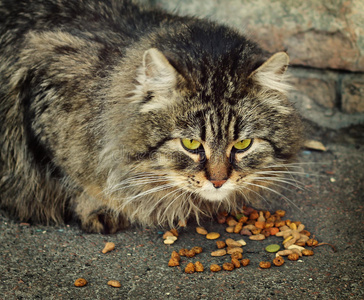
<point x="198" y="266"/>
<point x="80" y="282"/>
<point x="236" y="262"/>
<point x="197" y="250"/>
<point x="232" y="243"/>
<point x="215" y="268"/>
<point x="182" y="252"/>
<point x="190" y="268"/>
<point x="212" y="235"/>
<point x="109" y="246"/>
<point x="237" y="255"/>
<point x="272" y="248"/>
<point x="231" y="250"/>
<point x="228" y="266"/>
<point x="220" y="244"/>
<point x="258" y="237"/>
<point x="201" y="230"/>
<point x="245" y="262"/>
<point x="220" y="252"/>
<point x="278" y="261"/>
<point x="114" y="283"/>
<point x="265" y="264"/>
<point x="307" y="252"/>
<point x="293" y="256"/>
<point x="173" y="262"/>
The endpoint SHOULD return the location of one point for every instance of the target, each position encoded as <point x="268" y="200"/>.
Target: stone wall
<point x="325" y="41"/>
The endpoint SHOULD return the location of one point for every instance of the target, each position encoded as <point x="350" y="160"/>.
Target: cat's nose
<point x="218" y="183"/>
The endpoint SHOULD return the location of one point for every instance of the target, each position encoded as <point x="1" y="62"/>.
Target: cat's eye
<point x="190" y="144"/>
<point x="243" y="145"/>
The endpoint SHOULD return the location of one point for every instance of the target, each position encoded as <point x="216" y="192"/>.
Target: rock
<point x="352" y="91"/>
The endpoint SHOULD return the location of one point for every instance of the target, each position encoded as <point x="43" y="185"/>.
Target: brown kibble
<point x="245" y="232"/>
<point x="190" y="253"/>
<point x="245" y="262"/>
<point x="231" y="221"/>
<point x="190" y="268"/>
<point x="268" y="225"/>
<point x="80" y="282"/>
<point x="232" y="243"/>
<point x="197" y="250"/>
<point x="228" y="266"/>
<point x="220" y="244"/>
<point x="280" y="213"/>
<point x="215" y="268"/>
<point x="221" y="219"/>
<point x="236" y="255"/>
<point x="288" y="222"/>
<point x="182" y="252"/>
<point x="201" y="230"/>
<point x="173" y="262"/>
<point x="229" y="229"/>
<point x="254" y="215"/>
<point x="266" y="232"/>
<point x="175" y="255"/>
<point x="293" y="256"/>
<point x="236" y="262"/>
<point x="278" y="261"/>
<point x="212" y="235"/>
<point x="279" y="223"/>
<point x="220" y="252"/>
<point x="258" y="237"/>
<point x="265" y="264"/>
<point x="267" y="215"/>
<point x="243" y="219"/>
<point x="231" y="250"/>
<point x="109" y="246"/>
<point x="256" y="231"/>
<point x="311" y="242"/>
<point x="307" y="252"/>
<point x="198" y="266"/>
<point x="261" y="217"/>
<point x="238" y="227"/>
<point x="114" y="283"/>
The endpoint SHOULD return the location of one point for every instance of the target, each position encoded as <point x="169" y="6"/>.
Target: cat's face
<point x="218" y="147"/>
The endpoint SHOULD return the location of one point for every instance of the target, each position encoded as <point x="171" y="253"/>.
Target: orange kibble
<point x="259" y="224"/>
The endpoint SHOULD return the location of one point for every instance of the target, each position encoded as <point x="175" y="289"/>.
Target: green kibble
<point x="272" y="248"/>
<point x="239" y="216"/>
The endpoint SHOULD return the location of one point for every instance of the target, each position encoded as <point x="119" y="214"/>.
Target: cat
<point x="116" y="113"/>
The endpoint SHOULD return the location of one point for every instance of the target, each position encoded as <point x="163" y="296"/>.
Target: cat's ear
<point x="271" y="74"/>
<point x="158" y="78"/>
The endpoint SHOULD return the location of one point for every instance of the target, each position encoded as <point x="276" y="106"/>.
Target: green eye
<point x="190" y="144"/>
<point x="243" y="144"/>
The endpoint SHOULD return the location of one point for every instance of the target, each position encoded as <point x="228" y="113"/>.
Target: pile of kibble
<point x="256" y="225"/>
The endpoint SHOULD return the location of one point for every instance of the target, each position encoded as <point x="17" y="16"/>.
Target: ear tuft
<point x="271" y="74"/>
<point x="156" y="65"/>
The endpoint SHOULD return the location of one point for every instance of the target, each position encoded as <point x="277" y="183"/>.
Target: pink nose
<point x="217" y="183"/>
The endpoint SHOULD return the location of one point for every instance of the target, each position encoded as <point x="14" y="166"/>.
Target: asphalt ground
<point x="42" y="262"/>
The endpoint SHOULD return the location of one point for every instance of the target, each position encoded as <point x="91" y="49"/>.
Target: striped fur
<point x="97" y="95"/>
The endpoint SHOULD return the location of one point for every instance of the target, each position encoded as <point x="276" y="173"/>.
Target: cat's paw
<point x="103" y="222"/>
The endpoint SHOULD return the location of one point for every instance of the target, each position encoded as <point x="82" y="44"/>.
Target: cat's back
<point x="87" y="19"/>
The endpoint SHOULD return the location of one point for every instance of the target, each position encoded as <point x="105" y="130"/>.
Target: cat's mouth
<point x="209" y="192"/>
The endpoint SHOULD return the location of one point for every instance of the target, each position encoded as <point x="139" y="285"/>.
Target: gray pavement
<point x="42" y="262"/>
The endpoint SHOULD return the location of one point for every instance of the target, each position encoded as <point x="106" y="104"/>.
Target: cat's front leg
<point x="96" y="216"/>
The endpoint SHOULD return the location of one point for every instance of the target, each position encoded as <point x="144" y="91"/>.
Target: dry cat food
<point x="80" y="282"/>
<point x="114" y="283"/>
<point x="258" y="226"/>
<point x="109" y="246"/>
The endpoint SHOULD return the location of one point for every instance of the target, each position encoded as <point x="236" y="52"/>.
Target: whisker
<point x="275" y="192"/>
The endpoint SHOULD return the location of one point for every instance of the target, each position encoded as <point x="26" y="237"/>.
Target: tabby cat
<point x="112" y="112"/>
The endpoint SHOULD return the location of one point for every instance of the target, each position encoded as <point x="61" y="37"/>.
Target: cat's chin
<point x="210" y="193"/>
